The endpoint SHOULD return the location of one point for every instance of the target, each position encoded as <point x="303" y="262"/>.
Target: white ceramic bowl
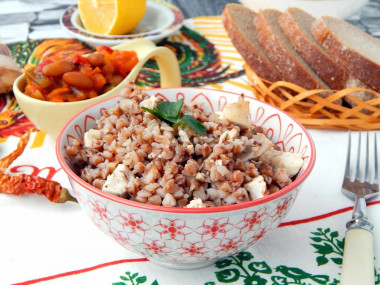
<point x="183" y="237"/>
<point x="334" y="8"/>
<point x="161" y="19"/>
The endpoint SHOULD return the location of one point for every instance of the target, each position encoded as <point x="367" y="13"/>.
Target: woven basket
<point x="314" y="111"/>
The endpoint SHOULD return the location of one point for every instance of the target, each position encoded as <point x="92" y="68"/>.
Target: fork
<point x="360" y="184"/>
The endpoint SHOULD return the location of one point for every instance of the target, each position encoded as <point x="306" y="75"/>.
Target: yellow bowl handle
<point x="168" y="65"/>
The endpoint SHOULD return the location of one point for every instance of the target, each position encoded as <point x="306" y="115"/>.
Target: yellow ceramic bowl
<point x="50" y="117"/>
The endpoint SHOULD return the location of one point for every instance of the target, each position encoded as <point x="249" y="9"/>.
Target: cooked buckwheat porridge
<point x="140" y="156"/>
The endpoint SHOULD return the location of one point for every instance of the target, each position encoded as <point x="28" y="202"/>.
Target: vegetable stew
<point x="75" y="77"/>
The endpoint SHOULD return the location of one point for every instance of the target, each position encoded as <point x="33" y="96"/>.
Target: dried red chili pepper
<point x="6" y="161"/>
<point x="28" y="184"/>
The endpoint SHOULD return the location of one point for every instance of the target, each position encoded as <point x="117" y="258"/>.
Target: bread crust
<point x="257" y="60"/>
<point x="282" y="54"/>
<point x="352" y="60"/>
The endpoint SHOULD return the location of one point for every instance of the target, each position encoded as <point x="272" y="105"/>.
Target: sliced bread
<point x="351" y="48"/>
<point x="238" y="22"/>
<point x="282" y="53"/>
<point x="296" y="24"/>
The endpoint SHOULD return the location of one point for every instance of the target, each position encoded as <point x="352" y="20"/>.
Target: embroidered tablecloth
<point x="46" y="243"/>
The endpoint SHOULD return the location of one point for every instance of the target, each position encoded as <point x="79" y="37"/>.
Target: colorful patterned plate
<point x="161" y="20"/>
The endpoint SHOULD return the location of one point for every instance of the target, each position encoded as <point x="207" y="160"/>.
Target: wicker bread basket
<point x="314" y="111"/>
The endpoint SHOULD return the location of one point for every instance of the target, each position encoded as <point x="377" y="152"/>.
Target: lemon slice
<point x="111" y="17"/>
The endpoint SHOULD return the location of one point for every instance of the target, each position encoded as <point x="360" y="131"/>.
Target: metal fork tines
<point x="361" y="176"/>
<point x="361" y="183"/>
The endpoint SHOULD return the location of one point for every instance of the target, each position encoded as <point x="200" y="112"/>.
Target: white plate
<point x="161" y="19"/>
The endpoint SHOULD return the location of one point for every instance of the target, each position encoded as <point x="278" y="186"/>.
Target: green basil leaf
<point x="160" y="116"/>
<point x="170" y="110"/>
<point x="154" y="112"/>
<point x="194" y="124"/>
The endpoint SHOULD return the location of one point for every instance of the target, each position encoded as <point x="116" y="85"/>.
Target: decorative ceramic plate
<point x="161" y="19"/>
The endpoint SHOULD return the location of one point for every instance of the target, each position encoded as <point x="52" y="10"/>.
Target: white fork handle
<point x="358" y="263"/>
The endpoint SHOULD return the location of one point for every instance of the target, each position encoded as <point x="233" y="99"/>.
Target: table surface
<point x="46" y="243"/>
<point x="201" y="7"/>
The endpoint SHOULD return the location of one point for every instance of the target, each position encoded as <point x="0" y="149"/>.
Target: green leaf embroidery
<point x="255" y="279"/>
<point x="278" y="280"/>
<point x="223" y="263"/>
<point x="319" y="232"/>
<point x="340" y="243"/>
<point x="337" y="260"/>
<point x="228" y="275"/>
<point x="327" y="244"/>
<point x="261" y="267"/>
<point x="322" y="260"/>
<point x="141" y="279"/>
<point x="316" y="239"/>
<point x="324" y="248"/>
<point x="335" y="282"/>
<point x="254" y="273"/>
<point x="320" y="279"/>
<point x="377" y="277"/>
<point x="134" y="275"/>
<point x="133" y="279"/>
<point x="240" y="269"/>
<point x="244" y="256"/>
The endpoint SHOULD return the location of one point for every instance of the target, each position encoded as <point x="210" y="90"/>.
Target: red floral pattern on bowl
<point x="181" y="237"/>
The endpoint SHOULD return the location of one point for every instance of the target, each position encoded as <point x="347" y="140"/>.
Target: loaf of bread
<point x="324" y="53"/>
<point x="282" y="53"/>
<point x="238" y="22"/>
<point x="351" y="48"/>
